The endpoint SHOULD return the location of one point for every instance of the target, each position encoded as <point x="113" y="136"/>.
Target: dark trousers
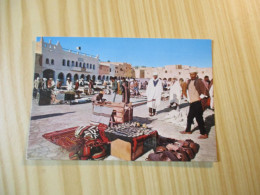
<point x="151" y="110"/>
<point x="196" y="112"/>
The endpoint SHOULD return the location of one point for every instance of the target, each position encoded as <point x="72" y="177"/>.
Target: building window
<point x="63" y="62"/>
<point x="90" y="66"/>
<point x="165" y="71"/>
<point x="80" y="64"/>
<point x="202" y="72"/>
<point x="52" y="61"/>
<point x="93" y="66"/>
<point x="68" y="63"/>
<point x="84" y="65"/>
<point x="87" y="65"/>
<point x="47" y="61"/>
<point x="76" y="64"/>
<point x="72" y="63"/>
<point x="110" y="69"/>
<point x="179" y="73"/>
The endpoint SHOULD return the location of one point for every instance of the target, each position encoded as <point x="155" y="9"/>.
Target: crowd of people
<point x="198" y="92"/>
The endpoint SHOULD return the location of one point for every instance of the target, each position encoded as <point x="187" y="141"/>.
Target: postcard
<point x="132" y="99"/>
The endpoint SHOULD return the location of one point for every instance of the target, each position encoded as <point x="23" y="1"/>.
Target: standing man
<point x="206" y="82"/>
<point x="50" y="83"/>
<point x="184" y="88"/>
<point x="136" y="91"/>
<point x="44" y="83"/>
<point x="90" y="86"/>
<point x="36" y="87"/>
<point x="154" y="93"/>
<point x="69" y="84"/>
<point x="196" y="91"/>
<point x="175" y="94"/>
<point x="114" y="87"/>
<point x="58" y="85"/>
<point x="125" y="91"/>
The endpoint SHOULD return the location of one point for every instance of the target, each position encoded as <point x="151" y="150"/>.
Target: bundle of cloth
<point x="169" y="149"/>
<point x="90" y="144"/>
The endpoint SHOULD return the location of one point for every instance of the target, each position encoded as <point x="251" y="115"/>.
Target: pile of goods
<point x="131" y="140"/>
<point x="90" y="145"/>
<point x="177" y="117"/>
<point x="125" y="141"/>
<point x="174" y="150"/>
<point x="133" y="129"/>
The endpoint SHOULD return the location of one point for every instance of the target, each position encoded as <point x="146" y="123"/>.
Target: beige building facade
<point x="123" y="69"/>
<point x="172" y="71"/>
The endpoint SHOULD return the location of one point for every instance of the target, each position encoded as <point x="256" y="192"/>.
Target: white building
<point x="53" y="61"/>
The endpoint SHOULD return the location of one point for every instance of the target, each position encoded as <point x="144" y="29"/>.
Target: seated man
<point x="98" y="98"/>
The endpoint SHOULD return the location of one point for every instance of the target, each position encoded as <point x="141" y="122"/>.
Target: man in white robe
<point x="154" y="93"/>
<point x="175" y="93"/>
<point x="69" y="84"/>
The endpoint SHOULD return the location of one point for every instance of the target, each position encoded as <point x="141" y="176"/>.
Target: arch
<point x="88" y="77"/>
<point x="99" y="77"/>
<point x="76" y="77"/>
<point x="164" y="79"/>
<point x="104" y="77"/>
<point x="68" y="63"/>
<point x="68" y="76"/>
<point x="107" y="78"/>
<point x="94" y="78"/>
<point x="82" y="76"/>
<point x="80" y="64"/>
<point x="48" y="73"/>
<point x="61" y="77"/>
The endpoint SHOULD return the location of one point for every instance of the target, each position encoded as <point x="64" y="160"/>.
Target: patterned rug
<point x="64" y="138"/>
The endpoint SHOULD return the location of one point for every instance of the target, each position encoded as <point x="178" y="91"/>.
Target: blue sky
<point x="142" y="51"/>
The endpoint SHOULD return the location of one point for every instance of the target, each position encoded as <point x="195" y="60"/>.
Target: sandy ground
<point x="45" y="119"/>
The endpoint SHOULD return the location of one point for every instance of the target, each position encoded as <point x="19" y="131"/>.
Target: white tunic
<point x="154" y="93"/>
<point x="69" y="86"/>
<point x="175" y="93"/>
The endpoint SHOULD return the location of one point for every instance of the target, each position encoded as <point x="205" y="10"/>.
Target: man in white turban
<point x="69" y="84"/>
<point x="154" y="93"/>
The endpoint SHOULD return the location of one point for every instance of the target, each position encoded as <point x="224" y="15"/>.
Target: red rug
<point x="64" y="138"/>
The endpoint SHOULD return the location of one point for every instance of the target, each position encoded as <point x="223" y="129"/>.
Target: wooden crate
<point x="122" y="112"/>
<point x="123" y="150"/>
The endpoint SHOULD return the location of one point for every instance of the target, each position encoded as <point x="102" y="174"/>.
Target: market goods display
<point x="133" y="129"/>
<point x="169" y="149"/>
